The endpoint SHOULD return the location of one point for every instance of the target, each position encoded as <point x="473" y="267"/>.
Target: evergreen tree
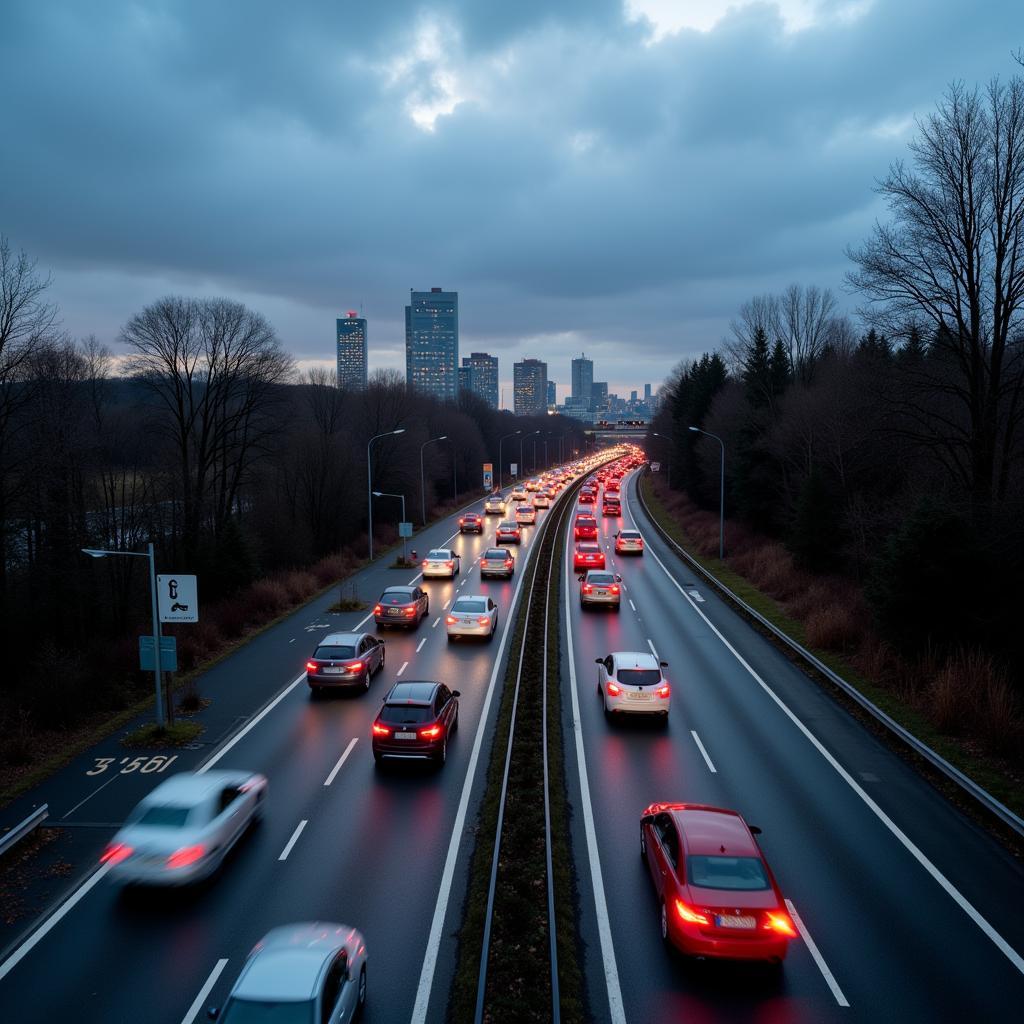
<point x="757" y="371"/>
<point x="816" y="536"/>
<point x="781" y="372"/>
<point x="913" y="351"/>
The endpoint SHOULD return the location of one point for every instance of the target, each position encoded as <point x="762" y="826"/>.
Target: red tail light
<point x="689" y="915"/>
<point x="356" y="666"/>
<point x="462" y="522"/>
<point x="614" y="588"/>
<point x="186" y="855"/>
<point x="431" y="732"/>
<point x="663" y="691"/>
<point x="483" y="621"/>
<point x="311" y="666"/>
<point x="380" y="730"/>
<point x="424" y="563"/>
<point x="451" y="565"/>
<point x="451" y="620"/>
<point x="587" y="588"/>
<point x="411" y="610"/>
<point x="115" y="853"/>
<point x="377" y="609"/>
<point x="779" y="921"/>
<point x="509" y="563"/>
<point x="613" y="689"/>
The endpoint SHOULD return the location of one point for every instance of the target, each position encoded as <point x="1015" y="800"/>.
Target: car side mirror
<point x="754" y="830"/>
<point x="456" y="693"/>
<point x="599" y="661"/>
<point x="647" y="819"/>
<point x="581" y="578"/>
<point x="663" y="664"/>
<point x="213" y="1013"/>
<point x="618" y="578"/>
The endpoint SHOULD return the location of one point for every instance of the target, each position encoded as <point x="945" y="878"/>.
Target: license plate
<point x="405" y="735"/>
<point x="600" y="593"/>
<point x="732" y="921"/>
<point x="333" y="671"/>
<point x="394" y="611"/>
<point x="637" y="696"/>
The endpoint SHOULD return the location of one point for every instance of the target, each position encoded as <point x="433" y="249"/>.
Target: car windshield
<point x="638" y="676"/>
<point x="496" y="553"/>
<point x="600" y="577"/>
<point x="328" y="653"/>
<point x="629" y="535"/>
<point x="164" y="816"/>
<point x="440" y="553"/>
<point x="739" y="873"/>
<point x="405" y="714"/>
<point x="525" y="508"/>
<point x="258" y="1011"/>
<point x="396" y="597"/>
<point x="467" y="604"/>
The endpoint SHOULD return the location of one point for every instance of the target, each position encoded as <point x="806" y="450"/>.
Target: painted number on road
<point x="144" y="765"/>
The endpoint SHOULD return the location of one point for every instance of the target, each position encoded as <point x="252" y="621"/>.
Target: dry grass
<point x="832" y="628"/>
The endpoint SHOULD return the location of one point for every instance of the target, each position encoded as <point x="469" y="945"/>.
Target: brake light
<point x="377" y="609"/>
<point x="311" y="666"/>
<point x="689" y="915"/>
<point x="663" y="691"/>
<point x="614" y="588"/>
<point x="462" y="522"/>
<point x="115" y="853"/>
<point x="483" y="621"/>
<point x="451" y="620"/>
<point x="425" y="563"/>
<point x="356" y="666"/>
<point x="613" y="689"/>
<point x="431" y="732"/>
<point x="411" y="610"/>
<point x="186" y="855"/>
<point x="451" y="565"/>
<point x="509" y="563"/>
<point x="380" y="730"/>
<point x="779" y="921"/>
<point x="587" y="588"/>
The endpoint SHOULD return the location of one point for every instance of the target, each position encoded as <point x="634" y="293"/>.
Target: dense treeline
<point x="202" y="438"/>
<point x="891" y="452"/>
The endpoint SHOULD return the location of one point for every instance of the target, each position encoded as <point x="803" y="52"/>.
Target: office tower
<point x="583" y="379"/>
<point x="552" y="394"/>
<point x="599" y="397"/>
<point x="465" y="376"/>
<point x="632" y="397"/>
<point x="351" y="339"/>
<point x="647" y="393"/>
<point x="432" y="343"/>
<point x="530" y="387"/>
<point x="484" y="376"/>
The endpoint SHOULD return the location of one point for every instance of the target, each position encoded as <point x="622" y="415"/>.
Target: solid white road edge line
<point x="951" y="890"/>
<point x="197" y="1003"/>
<point x="341" y="760"/>
<point x="611" y="972"/>
<point x="51" y="922"/>
<point x="700" y="747"/>
<point x="654" y="650"/>
<point x="405" y="665"/>
<point x="294" y="839"/>
<point x="818" y="958"/>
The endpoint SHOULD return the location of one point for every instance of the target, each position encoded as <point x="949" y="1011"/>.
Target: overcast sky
<point x="589" y="175"/>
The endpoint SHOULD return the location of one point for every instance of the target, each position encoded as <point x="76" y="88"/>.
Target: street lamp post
<point x="501" y="482"/>
<point x="668" y="461"/>
<point x="155" y="600"/>
<point x="387" y="494"/>
<point x="369" y="480"/>
<point x="522" y="472"/>
<point x="721" y="497"/>
<point x="423" y="479"/>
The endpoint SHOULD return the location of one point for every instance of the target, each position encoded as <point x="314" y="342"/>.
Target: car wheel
<point x="361" y="998"/>
<point x="450" y="638"/>
<point x="664" y="923"/>
<point x="376" y="757"/>
<point x="426" y="607"/>
<point x="366" y="680"/>
<point x="443" y="756"/>
<point x="314" y="693"/>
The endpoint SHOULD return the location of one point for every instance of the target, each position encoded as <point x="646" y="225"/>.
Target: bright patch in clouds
<point x="669" y="16"/>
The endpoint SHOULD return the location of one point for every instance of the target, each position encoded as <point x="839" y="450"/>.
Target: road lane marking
<point x="294" y="839"/>
<point x="631" y="605"/>
<point x="654" y="650"/>
<point x="818" y="958"/>
<point x="197" y="1003"/>
<point x="291" y="642"/>
<point x="695" y="594"/>
<point x="405" y="665"/>
<point x="700" y="747"/>
<point x="604" y="928"/>
<point x="908" y="844"/>
<point x="419" y="646"/>
<point x="92" y="794"/>
<point x="433" y="625"/>
<point x="341" y="760"/>
<point x="448" y="602"/>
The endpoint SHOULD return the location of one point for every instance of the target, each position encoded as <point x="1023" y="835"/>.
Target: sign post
<point x="488" y="476"/>
<point x="404" y="531"/>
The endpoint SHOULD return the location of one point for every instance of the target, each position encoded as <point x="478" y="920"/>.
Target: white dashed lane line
<point x="631" y="605"/>
<point x="200" y="999"/>
<point x="341" y="760"/>
<point x="405" y="665"/>
<point x="294" y="839"/>
<point x="419" y="646"/>
<point x="818" y="958"/>
<point x="433" y="625"/>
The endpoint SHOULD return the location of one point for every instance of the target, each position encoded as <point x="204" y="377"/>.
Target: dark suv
<point x="401" y="606"/>
<point x="344" y="660"/>
<point x="415" y="721"/>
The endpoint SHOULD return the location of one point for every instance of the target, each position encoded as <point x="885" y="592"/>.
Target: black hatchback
<point x="415" y="721"/>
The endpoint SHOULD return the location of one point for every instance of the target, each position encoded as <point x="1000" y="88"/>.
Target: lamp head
<point x="696" y="430"/>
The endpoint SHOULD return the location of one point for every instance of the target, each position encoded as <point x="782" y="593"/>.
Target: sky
<point x="612" y="177"/>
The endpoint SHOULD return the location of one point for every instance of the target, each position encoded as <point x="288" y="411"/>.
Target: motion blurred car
<point x="533" y="484"/>
<point x="601" y="588"/>
<point x="415" y="721"/>
<point x="526" y="515"/>
<point x="612" y="487"/>
<point x="472" y="616"/>
<point x="344" y="660"/>
<point x="495" y="505"/>
<point x="611" y="506"/>
<point x="471" y="522"/>
<point x="519" y="493"/>
<point x="401" y="606"/>
<point x="717" y="895"/>
<point x="631" y="682"/>
<point x="182" y="831"/>
<point x="588" y="556"/>
<point x="304" y="973"/>
<point x="584" y="527"/>
<point x="542" y="500"/>
<point x="508" y="533"/>
<point x="629" y="542"/>
<point x="497" y="562"/>
<point x="441" y="562"/>
<point x="587" y="496"/>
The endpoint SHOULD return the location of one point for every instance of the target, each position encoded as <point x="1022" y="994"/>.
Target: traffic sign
<point x="655" y="467"/>
<point x="168" y="654"/>
<point x="179" y="598"/>
<point x="405" y="529"/>
<point x="488" y="476"/>
<point x="515" y="468"/>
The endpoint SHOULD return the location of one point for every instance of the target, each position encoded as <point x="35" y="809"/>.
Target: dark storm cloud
<point x="584" y="186"/>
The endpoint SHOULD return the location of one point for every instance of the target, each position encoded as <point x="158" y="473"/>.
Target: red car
<point x="471" y="522"/>
<point x="588" y="556"/>
<point x="717" y="895"/>
<point x="585" y="528"/>
<point x="587" y="496"/>
<point x="508" y="533"/>
<point x="611" y="506"/>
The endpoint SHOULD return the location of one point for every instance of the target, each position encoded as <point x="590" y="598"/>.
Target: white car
<point x="519" y="493"/>
<point x="495" y="505"/>
<point x="631" y="682"/>
<point x="441" y="562"/>
<point x="526" y="515"/>
<point x="629" y="541"/>
<point x="182" y="831"/>
<point x="472" y="616"/>
<point x="600" y="587"/>
<point x="542" y="500"/>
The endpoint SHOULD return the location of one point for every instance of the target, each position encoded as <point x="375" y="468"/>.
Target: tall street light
<point x="522" y="471"/>
<point x="668" y="461"/>
<point x="154" y="597"/>
<point x="721" y="498"/>
<point x="501" y="482"/>
<point x="423" y="479"/>
<point x="387" y="494"/>
<point x="369" y="479"/>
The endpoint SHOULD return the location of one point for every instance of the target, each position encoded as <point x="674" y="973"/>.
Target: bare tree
<point x="805" y="323"/>
<point x="953" y="257"/>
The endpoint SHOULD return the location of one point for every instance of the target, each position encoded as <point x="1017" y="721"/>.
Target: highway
<point x="914" y="913"/>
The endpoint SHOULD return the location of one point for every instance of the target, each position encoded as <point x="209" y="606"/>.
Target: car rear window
<point x="739" y="873"/>
<point x="396" y="597"/>
<point x="525" y="508"/>
<point x="164" y="816"/>
<point x="496" y="553"/>
<point x="638" y="676"/>
<point x="466" y="604"/>
<point x="440" y="553"/>
<point x="406" y="714"/>
<point x="600" y="577"/>
<point x="334" y="652"/>
<point x="629" y="535"/>
<point x="266" y="1011"/>
<point x="586" y="521"/>
<point x="589" y="549"/>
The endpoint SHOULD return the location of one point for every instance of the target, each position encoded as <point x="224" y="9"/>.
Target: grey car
<point x="309" y="973"/>
<point x="601" y="588"/>
<point x="346" y="660"/>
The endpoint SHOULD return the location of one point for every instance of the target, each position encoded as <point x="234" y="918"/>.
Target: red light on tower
<point x="352" y="314"/>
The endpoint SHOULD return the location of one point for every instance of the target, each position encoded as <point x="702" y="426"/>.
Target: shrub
<point x="264" y="599"/>
<point x="832" y="627"/>
<point x="299" y="586"/>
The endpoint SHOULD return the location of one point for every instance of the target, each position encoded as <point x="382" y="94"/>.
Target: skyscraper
<point x="351" y="339"/>
<point x="647" y="393"/>
<point x="599" y="397"/>
<point x="484" y="376"/>
<point x="465" y="376"/>
<point x="583" y="379"/>
<point x="552" y="394"/>
<point x="432" y="343"/>
<point x="530" y="385"/>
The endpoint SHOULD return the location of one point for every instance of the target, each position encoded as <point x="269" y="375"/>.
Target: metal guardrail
<point x="982" y="796"/>
<point x="10" y="839"/>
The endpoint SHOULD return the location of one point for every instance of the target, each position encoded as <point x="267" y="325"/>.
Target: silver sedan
<point x="182" y="831"/>
<point x="472" y="616"/>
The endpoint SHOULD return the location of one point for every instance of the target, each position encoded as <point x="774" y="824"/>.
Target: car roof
<point x="447" y="551"/>
<point x="412" y="691"/>
<point x="190" y="788"/>
<point x="707" y="829"/>
<point x="588" y="545"/>
<point x="634" y="659"/>
<point x="287" y="962"/>
<point x="495" y="552"/>
<point x="600" y="572"/>
<point x="399" y="590"/>
<point x="342" y="638"/>
<point x="469" y="597"/>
